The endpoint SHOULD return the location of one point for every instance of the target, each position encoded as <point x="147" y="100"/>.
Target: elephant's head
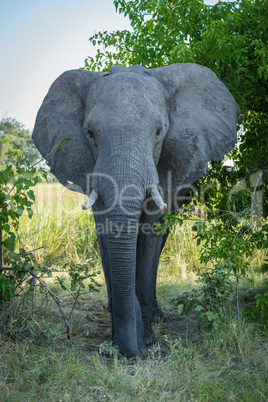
<point x="116" y="136"/>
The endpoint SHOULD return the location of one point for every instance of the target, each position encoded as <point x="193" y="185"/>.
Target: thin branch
<point x="40" y="160"/>
<point x="35" y="249"/>
<point x="252" y="206"/>
<point x="77" y="295"/>
<point x="241" y="227"/>
<point x="12" y="188"/>
<point x="6" y="269"/>
<point x="237" y="301"/>
<point x="54" y="149"/>
<point x="68" y="327"/>
<point x="1" y="258"/>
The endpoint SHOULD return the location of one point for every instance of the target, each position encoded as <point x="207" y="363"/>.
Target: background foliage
<point x="16" y="196"/>
<point x="19" y="268"/>
<point x="16" y="144"/>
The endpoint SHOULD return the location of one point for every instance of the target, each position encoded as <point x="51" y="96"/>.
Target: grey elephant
<point x="133" y="140"/>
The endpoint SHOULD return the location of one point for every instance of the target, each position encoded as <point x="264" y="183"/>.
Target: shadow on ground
<point x="92" y="326"/>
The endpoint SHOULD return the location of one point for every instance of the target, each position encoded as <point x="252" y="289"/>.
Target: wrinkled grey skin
<point x="134" y="128"/>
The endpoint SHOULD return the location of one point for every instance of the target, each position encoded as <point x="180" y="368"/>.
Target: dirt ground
<point x="94" y="326"/>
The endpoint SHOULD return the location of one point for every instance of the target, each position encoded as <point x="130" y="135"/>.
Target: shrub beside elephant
<point x="133" y="140"/>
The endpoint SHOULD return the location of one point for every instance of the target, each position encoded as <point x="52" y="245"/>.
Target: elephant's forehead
<point x="126" y="88"/>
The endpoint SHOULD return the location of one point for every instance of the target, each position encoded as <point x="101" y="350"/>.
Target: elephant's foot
<point x="157" y="314"/>
<point x="130" y="339"/>
<point x="131" y="351"/>
<point x="149" y="337"/>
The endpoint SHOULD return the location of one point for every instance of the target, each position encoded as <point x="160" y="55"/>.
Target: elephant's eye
<point x="90" y="134"/>
<point x="91" y="137"/>
<point x="158" y="132"/>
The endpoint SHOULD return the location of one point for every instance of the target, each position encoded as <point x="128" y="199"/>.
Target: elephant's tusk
<point x="158" y="199"/>
<point x="91" y="200"/>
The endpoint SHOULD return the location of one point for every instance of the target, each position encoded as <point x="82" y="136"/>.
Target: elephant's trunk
<point x="122" y="183"/>
<point x="123" y="197"/>
<point x="123" y="224"/>
<point x="126" y="313"/>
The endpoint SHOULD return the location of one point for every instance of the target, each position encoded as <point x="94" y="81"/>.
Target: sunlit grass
<point x="59" y="226"/>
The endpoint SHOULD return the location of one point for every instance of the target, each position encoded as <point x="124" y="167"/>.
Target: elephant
<point x="134" y="140"/>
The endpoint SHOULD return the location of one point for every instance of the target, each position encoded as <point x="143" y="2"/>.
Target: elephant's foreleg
<point x="149" y="247"/>
<point x="101" y="230"/>
<point x="157" y="313"/>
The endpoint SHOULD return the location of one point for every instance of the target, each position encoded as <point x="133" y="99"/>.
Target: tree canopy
<point x="229" y="37"/>
<point x="16" y="143"/>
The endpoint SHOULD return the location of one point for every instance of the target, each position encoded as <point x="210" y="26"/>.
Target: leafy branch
<point x="224" y="242"/>
<point x="21" y="270"/>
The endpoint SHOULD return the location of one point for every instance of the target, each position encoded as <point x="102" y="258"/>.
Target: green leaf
<point x="30" y="212"/>
<point x="31" y="195"/>
<point x="6" y="227"/>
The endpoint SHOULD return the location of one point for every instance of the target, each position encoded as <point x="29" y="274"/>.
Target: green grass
<point x="229" y="366"/>
<point x="60" y="226"/>
<point x="38" y="363"/>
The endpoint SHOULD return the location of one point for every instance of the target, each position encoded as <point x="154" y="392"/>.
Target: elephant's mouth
<point x="154" y="193"/>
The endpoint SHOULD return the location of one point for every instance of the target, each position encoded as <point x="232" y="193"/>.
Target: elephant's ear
<point x="203" y="122"/>
<point x="58" y="131"/>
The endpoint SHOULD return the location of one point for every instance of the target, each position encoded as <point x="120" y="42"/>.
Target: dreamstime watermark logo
<point x="123" y="229"/>
<point x="256" y="206"/>
<point x="125" y="197"/>
<point x="131" y="201"/>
